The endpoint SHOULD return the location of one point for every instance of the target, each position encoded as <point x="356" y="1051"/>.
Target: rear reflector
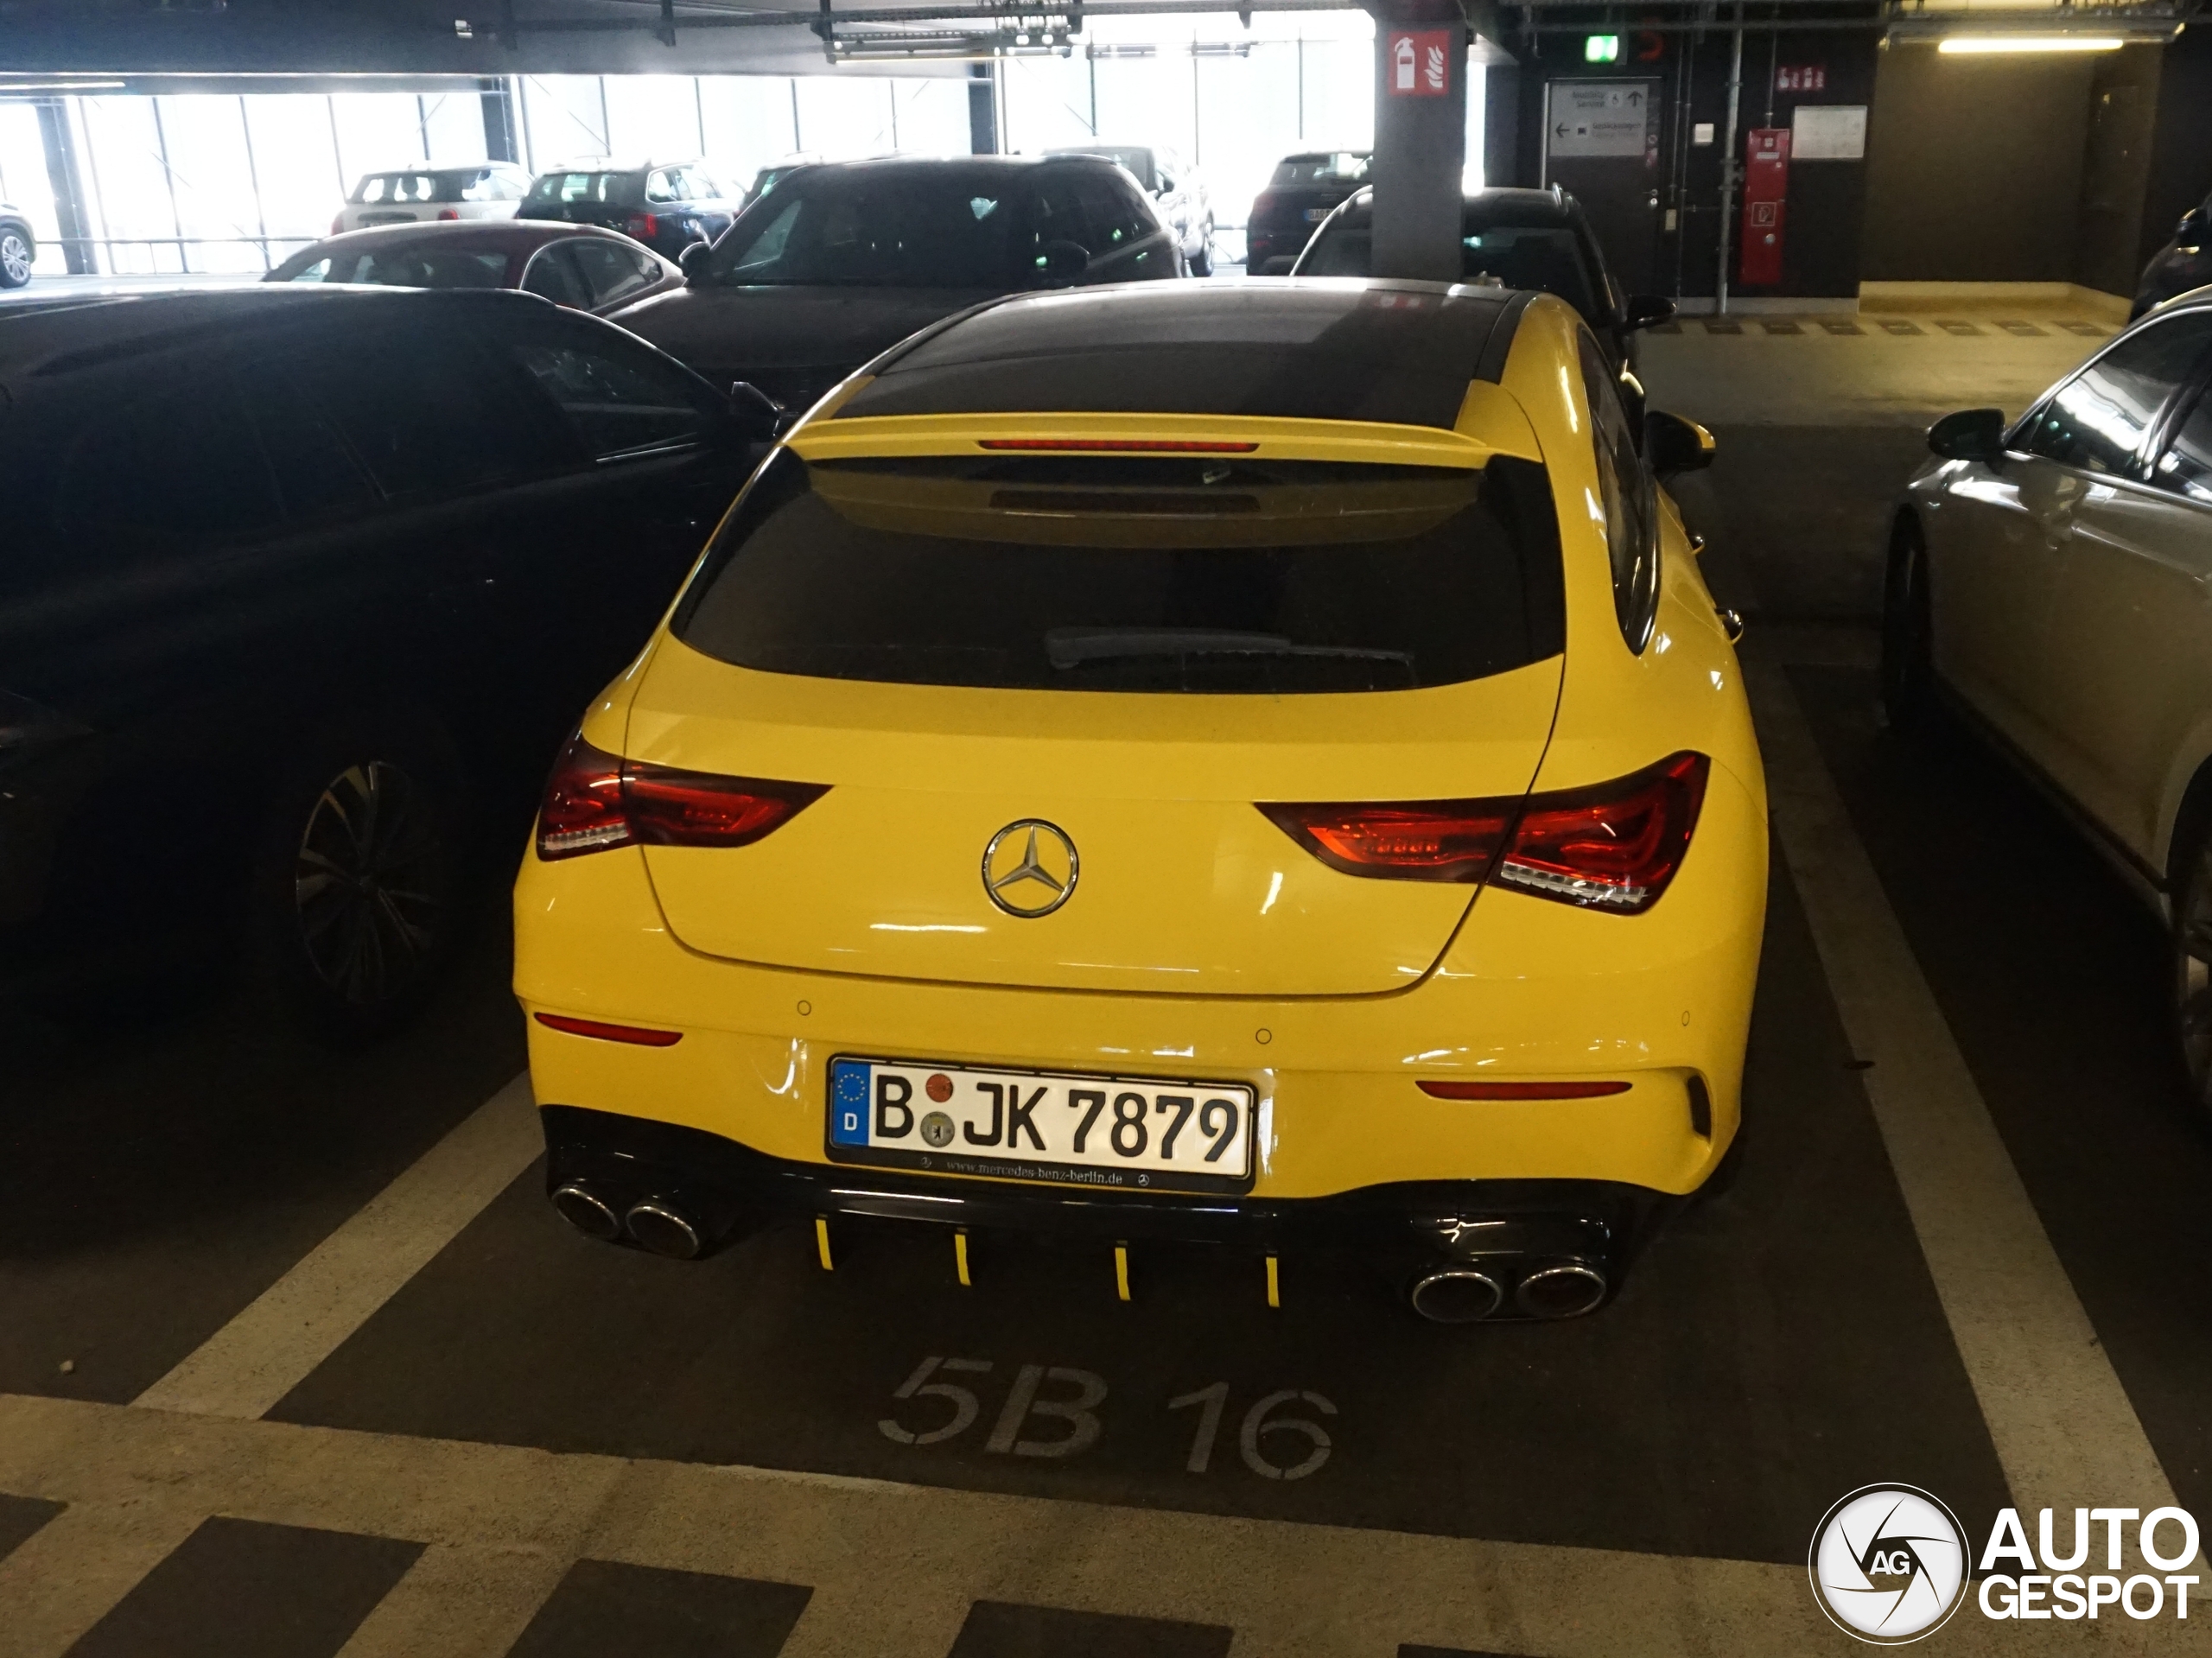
<point x="1118" y="445"/>
<point x="1613" y="845"/>
<point x="1514" y="1091"/>
<point x="632" y="1033"/>
<point x="595" y="801"/>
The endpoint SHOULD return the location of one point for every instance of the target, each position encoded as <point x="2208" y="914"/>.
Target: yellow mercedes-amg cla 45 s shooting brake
<point x="1232" y="763"/>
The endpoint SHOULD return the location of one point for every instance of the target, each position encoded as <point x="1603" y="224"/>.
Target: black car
<point x="668" y="206"/>
<point x="1537" y="239"/>
<point x="1305" y="187"/>
<point x="2183" y="263"/>
<point x="842" y="261"/>
<point x="18" y="246"/>
<point x="301" y="590"/>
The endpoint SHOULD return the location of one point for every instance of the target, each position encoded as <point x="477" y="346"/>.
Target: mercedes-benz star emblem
<point x="1029" y="868"/>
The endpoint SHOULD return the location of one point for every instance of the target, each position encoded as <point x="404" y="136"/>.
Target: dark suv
<point x="668" y="206"/>
<point x="839" y="262"/>
<point x="287" y="623"/>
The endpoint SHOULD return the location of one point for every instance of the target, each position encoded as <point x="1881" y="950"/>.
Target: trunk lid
<point x="1181" y="886"/>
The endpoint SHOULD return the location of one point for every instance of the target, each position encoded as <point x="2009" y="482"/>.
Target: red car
<point x="580" y="266"/>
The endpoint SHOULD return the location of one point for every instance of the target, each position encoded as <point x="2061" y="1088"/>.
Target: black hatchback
<point x="299" y="591"/>
<point x="668" y="206"/>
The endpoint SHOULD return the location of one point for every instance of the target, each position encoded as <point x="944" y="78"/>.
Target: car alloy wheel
<point x="369" y="884"/>
<point x="15" y="259"/>
<point x="2192" y="971"/>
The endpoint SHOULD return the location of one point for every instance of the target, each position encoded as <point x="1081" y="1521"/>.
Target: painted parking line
<point x="2064" y="1429"/>
<point x="272" y="1345"/>
<point x="895" y="1571"/>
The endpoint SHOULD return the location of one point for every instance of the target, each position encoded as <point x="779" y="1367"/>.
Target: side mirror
<point x="1970" y="435"/>
<point x="1647" y="311"/>
<point x="755" y="415"/>
<point x="1673" y="445"/>
<point x="2192" y="227"/>
<point x="697" y="261"/>
<point x="1063" y="263"/>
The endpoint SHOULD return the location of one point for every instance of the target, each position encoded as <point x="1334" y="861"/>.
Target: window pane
<point x="182" y="464"/>
<point x="551" y="276"/>
<point x="2186" y="466"/>
<point x="1629" y="501"/>
<point x="427" y="415"/>
<point x="1166" y="574"/>
<point x="618" y="404"/>
<point x="317" y="478"/>
<point x="415" y="265"/>
<point x="611" y="270"/>
<point x="2097" y="420"/>
<point x="933" y="231"/>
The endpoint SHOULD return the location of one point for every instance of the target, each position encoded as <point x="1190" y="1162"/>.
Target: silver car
<point x="2051" y="581"/>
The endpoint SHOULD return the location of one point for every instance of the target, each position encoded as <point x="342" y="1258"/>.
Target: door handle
<point x="1731" y="623"/>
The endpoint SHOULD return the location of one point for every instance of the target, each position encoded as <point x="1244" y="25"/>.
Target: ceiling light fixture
<point x="1978" y="45"/>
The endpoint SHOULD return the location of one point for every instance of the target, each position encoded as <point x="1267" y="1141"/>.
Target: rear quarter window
<point x="1178" y="573"/>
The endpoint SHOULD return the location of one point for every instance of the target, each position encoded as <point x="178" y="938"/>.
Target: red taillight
<point x="594" y="800"/>
<point x="1430" y="840"/>
<point x="448" y="213"/>
<point x="637" y="1034"/>
<point x="1513" y="1090"/>
<point x="1118" y="445"/>
<point x="1613" y="846"/>
<point x="644" y="226"/>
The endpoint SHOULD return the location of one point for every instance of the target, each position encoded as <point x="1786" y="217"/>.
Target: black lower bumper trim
<point x="732" y="1189"/>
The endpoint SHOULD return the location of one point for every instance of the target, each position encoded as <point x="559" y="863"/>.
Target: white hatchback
<point x="480" y="190"/>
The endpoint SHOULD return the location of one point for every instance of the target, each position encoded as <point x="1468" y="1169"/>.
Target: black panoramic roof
<point x="1394" y="351"/>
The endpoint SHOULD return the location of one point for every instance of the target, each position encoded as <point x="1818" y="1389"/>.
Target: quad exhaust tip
<point x="1566" y="1289"/>
<point x="660" y="1227"/>
<point x="1457" y="1295"/>
<point x="589" y="1212"/>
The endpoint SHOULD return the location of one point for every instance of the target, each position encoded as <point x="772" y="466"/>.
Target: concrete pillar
<point x="1421" y="137"/>
<point x="67" y="186"/>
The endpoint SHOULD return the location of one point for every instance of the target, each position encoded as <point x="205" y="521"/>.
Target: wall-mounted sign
<point x="1601" y="118"/>
<point x="1802" y="77"/>
<point x="1421" y="63"/>
<point x="1829" y="132"/>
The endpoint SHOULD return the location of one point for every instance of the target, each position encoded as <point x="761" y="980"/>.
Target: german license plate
<point x="1131" y="1133"/>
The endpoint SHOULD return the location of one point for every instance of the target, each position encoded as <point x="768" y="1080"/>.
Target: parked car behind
<point x="766" y="178"/>
<point x="1539" y="239"/>
<point x="580" y="266"/>
<point x="18" y="246"/>
<point x="1178" y="194"/>
<point x="299" y="591"/>
<point x="2047" y="579"/>
<point x="668" y="206"/>
<point x="2185" y="263"/>
<point x="839" y="262"/>
<point x="1305" y="188"/>
<point x="411" y="195"/>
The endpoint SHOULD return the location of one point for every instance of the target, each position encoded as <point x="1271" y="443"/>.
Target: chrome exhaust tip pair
<point x="655" y="1224"/>
<point x="1463" y="1293"/>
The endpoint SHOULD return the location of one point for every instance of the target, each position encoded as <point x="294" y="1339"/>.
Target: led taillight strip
<point x="637" y="1035"/>
<point x="1118" y="445"/>
<point x="1520" y="1090"/>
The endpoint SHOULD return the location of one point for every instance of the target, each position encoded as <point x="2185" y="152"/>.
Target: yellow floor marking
<point x="822" y="1242"/>
<point x="960" y="1256"/>
<point x="1122" y="1270"/>
<point x="1275" y="1288"/>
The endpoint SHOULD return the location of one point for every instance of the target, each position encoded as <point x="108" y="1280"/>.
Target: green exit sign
<point x="1601" y="48"/>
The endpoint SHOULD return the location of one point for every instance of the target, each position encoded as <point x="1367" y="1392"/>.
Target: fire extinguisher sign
<point x="1420" y="63"/>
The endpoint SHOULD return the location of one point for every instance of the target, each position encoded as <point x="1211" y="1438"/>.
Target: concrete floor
<point x="295" y="1360"/>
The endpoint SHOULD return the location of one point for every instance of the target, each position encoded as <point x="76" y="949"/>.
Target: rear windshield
<point x="589" y="187"/>
<point x="409" y="264"/>
<point x="898" y="228"/>
<point x="1543" y="257"/>
<point x="414" y="186"/>
<point x="1200" y="573"/>
<point x="1345" y="167"/>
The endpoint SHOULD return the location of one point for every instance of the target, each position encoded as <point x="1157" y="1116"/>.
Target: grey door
<point x="1601" y="145"/>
